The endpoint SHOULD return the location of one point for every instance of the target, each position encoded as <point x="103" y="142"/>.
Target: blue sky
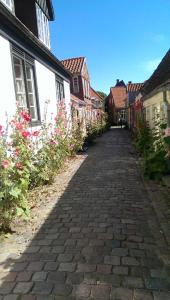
<point x="120" y="39"/>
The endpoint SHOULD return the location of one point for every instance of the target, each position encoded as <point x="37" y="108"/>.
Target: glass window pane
<point x="43" y="26"/>
<point x="31" y="92"/>
<point x="19" y="82"/>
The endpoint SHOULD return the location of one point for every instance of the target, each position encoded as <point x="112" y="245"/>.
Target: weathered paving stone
<point x="43" y="288"/>
<point x="28" y="297"/>
<point x="6" y="288"/>
<point x="82" y="290"/>
<point x="101" y="292"/>
<point x="137" y="253"/>
<point x="75" y="278"/>
<point x="65" y="257"/>
<point x="62" y="289"/>
<point x="115" y="243"/>
<point x="161" y="295"/>
<point x="86" y="268"/>
<point x="112" y="260"/>
<point x="8" y="276"/>
<point x="39" y="276"/>
<point x="56" y="277"/>
<point x="142" y="295"/>
<point x="157" y="284"/>
<point x="133" y="282"/>
<point x="67" y="267"/>
<point x="10" y="297"/>
<point x="120" y="270"/>
<point x="114" y="280"/>
<point x="120" y="251"/>
<point x="122" y="294"/>
<point x="130" y="261"/>
<point x="104" y="269"/>
<point x="35" y="266"/>
<point x="51" y="266"/>
<point x="23" y="287"/>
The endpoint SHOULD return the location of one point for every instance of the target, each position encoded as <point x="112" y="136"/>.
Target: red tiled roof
<point x="74" y="65"/>
<point x="94" y="94"/>
<point x="119" y="95"/>
<point x="134" y="87"/>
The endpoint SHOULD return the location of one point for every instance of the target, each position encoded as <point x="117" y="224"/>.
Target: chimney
<point x="117" y="81"/>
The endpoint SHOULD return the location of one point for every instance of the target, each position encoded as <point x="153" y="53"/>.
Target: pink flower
<point x="5" y="164"/>
<point x="58" y="131"/>
<point x="19" y="126"/>
<point x="19" y="166"/>
<point x="26" y="134"/>
<point x="35" y="133"/>
<point x="1" y="130"/>
<point x="25" y="116"/>
<point x="53" y="142"/>
<point x="167" y="131"/>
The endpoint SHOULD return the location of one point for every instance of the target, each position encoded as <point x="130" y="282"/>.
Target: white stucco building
<point x="29" y="73"/>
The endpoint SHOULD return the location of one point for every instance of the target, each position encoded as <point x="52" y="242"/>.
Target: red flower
<point x="25" y="116"/>
<point x="26" y="134"/>
<point x="5" y="164"/>
<point x="35" y="133"/>
<point x="1" y="130"/>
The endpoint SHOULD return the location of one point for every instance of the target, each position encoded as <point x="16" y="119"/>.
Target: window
<point x="43" y="26"/>
<point x="75" y="85"/>
<point x="8" y="3"/>
<point x="59" y="89"/>
<point x="24" y="77"/>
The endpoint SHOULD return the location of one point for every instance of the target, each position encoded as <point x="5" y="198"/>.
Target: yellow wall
<point x="154" y="105"/>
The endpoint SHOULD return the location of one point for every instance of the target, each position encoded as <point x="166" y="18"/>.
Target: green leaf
<point x="15" y="192"/>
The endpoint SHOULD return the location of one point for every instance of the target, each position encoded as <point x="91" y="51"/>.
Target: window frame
<point x="59" y="82"/>
<point x="43" y="26"/>
<point x="11" y="6"/>
<point x="26" y="60"/>
<point x="74" y="89"/>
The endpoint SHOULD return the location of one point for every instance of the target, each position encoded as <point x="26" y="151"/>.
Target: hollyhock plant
<point x="5" y="164"/>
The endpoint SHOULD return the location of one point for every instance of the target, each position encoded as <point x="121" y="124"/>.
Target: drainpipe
<point x="166" y="106"/>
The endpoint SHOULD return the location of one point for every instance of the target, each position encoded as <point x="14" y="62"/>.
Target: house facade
<point x="133" y="102"/>
<point x="156" y="93"/>
<point x="30" y="74"/>
<point x="116" y="103"/>
<point x="80" y="85"/>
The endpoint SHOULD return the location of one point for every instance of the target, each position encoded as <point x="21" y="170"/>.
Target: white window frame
<point x="43" y="26"/>
<point x="60" y="93"/>
<point x="25" y="62"/>
<point x="76" y="85"/>
<point x="9" y="4"/>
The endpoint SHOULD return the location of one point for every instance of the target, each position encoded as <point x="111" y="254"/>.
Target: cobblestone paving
<point x="101" y="241"/>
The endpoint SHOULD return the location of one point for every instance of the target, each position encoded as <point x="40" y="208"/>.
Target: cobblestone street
<point x="101" y="241"/>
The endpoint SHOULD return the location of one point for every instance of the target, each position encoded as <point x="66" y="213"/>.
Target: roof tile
<point x="74" y="65"/>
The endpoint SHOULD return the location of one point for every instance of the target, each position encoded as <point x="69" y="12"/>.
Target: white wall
<point x="67" y="100"/>
<point x="7" y="91"/>
<point x="46" y="91"/>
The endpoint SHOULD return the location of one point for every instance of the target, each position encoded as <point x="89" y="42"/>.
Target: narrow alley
<point x="100" y="241"/>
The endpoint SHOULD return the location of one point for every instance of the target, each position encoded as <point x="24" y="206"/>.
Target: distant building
<point x="116" y="102"/>
<point x="120" y="102"/>
<point x="133" y="90"/>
